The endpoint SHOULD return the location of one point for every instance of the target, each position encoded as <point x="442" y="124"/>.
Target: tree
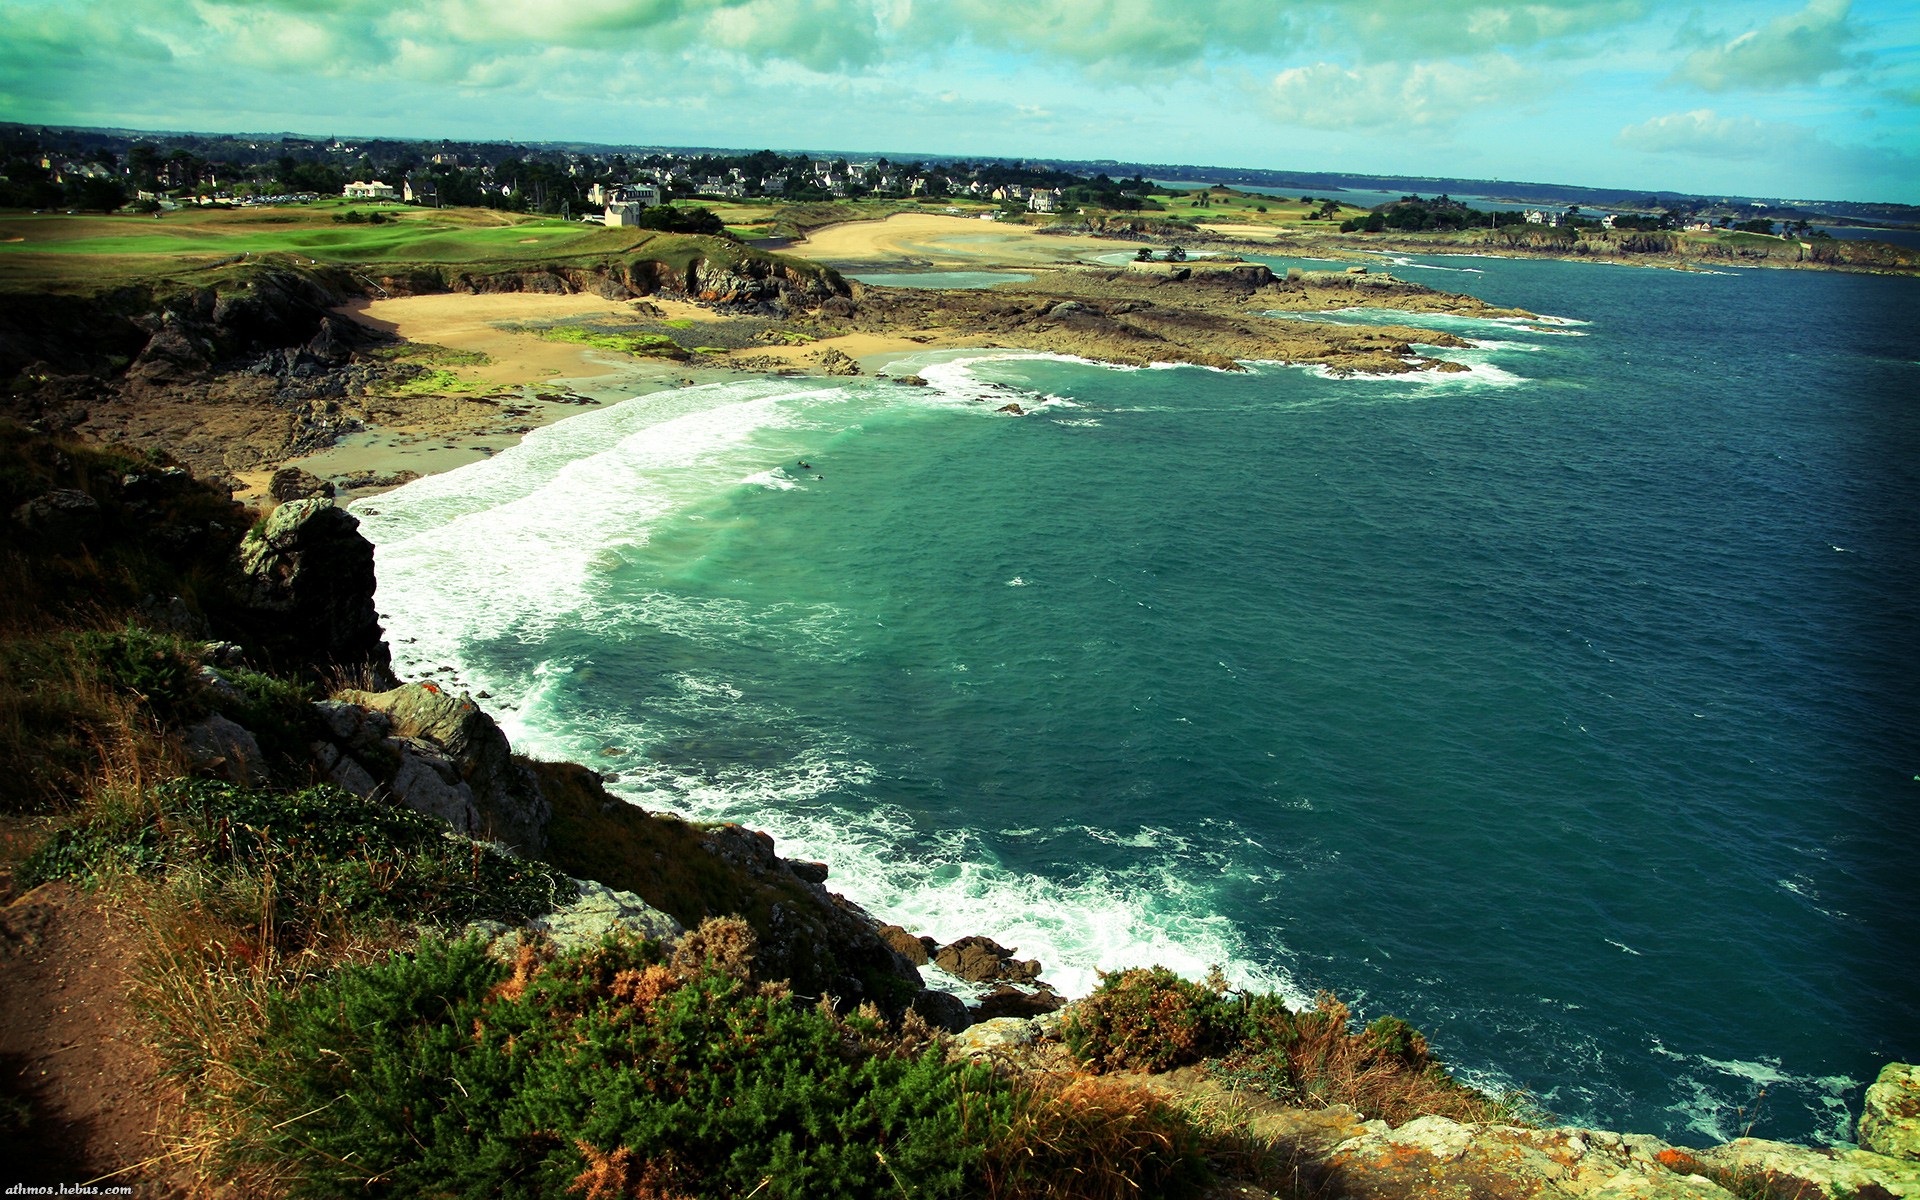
<point x="1145" y="255"/>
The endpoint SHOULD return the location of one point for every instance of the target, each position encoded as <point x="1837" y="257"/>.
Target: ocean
<point x="1564" y="707"/>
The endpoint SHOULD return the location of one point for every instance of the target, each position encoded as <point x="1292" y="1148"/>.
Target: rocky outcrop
<point x="804" y="918"/>
<point x="1816" y="1173"/>
<point x="223" y="748"/>
<point x="59" y="516"/>
<point x="438" y="754"/>
<point x="293" y="483"/>
<point x="1435" y="1158"/>
<point x="310" y="584"/>
<point x="595" y="913"/>
<point x="1890" y="1117"/>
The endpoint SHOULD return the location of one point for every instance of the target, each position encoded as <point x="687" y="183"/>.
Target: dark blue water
<point x="1564" y="707"/>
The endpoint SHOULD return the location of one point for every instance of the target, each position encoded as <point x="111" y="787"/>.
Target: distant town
<point x="107" y="170"/>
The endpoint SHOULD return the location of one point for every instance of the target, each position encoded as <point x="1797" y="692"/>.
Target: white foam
<point x="775" y="480"/>
<point x="1726" y="1098"/>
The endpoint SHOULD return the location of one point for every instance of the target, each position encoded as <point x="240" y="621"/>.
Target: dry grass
<point x="1081" y="1137"/>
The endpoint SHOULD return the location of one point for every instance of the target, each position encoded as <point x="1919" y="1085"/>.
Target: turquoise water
<point x="1563" y="706"/>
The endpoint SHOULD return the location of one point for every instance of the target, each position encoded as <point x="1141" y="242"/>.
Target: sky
<point x="1803" y="99"/>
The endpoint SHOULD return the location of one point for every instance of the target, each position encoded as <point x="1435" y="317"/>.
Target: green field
<point x="64" y="252"/>
<point x="1225" y="206"/>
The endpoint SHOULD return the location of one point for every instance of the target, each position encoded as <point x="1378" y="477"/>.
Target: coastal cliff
<point x="386" y="818"/>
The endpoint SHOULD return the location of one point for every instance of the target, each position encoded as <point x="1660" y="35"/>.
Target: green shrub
<point x="1148" y="1018"/>
<point x="1152" y="1019"/>
<point x="302" y="863"/>
<point x="607" y="1072"/>
<point x="157" y="668"/>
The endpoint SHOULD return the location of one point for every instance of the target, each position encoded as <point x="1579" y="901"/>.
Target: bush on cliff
<point x="299" y="866"/>
<point x="621" y="1071"/>
<point x="1152" y="1019"/>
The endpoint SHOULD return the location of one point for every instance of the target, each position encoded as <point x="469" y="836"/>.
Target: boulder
<point x="1890" y="1120"/>
<point x="601" y="910"/>
<point x="1011" y="1000"/>
<point x="292" y="483"/>
<point x="916" y="950"/>
<point x="225" y="749"/>
<point x="310" y="587"/>
<point x="486" y="791"/>
<point x="942" y="1010"/>
<point x="832" y="362"/>
<point x="983" y="960"/>
<point x="173" y="615"/>
<point x="58" y="516"/>
<point x="991" y="1037"/>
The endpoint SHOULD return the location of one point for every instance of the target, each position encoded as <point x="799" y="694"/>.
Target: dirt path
<point x="70" y="1048"/>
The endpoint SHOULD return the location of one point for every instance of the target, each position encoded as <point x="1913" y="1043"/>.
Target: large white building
<point x="369" y="191"/>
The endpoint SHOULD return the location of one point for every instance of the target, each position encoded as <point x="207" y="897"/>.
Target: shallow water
<point x="1563" y="706"/>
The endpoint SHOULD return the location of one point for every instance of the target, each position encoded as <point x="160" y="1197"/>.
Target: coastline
<point x="496" y="378"/>
<point x="554" y="380"/>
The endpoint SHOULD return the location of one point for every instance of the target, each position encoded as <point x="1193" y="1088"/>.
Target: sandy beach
<point x="524" y="381"/>
<point x="935" y="241"/>
<point x="553" y="380"/>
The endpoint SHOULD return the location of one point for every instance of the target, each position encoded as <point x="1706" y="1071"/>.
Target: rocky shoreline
<point x="247" y="375"/>
<point x="307" y="604"/>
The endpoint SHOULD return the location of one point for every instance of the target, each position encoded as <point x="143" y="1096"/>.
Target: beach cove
<point x="1497" y="699"/>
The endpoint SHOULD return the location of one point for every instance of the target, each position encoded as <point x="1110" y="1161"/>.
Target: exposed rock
<point x="979" y="960"/>
<point x="832" y="362"/>
<point x="1435" y="1158"/>
<point x="473" y="782"/>
<point x="994" y="1036"/>
<point x="601" y="910"/>
<point x="1836" y="1174"/>
<point x="942" y="1010"/>
<point x="173" y="615"/>
<point x="223" y="748"/>
<point x="811" y="923"/>
<point x="916" y="950"/>
<point x="61" y="515"/>
<point x="1890" y="1119"/>
<point x="812" y="872"/>
<point x="426" y="783"/>
<point x="1014" y="985"/>
<point x="292" y="483"/>
<point x="310" y="573"/>
<point x="1010" y="1000"/>
<point x="1012" y="408"/>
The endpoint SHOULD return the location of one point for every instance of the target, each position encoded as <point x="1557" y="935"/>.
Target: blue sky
<point x="1814" y="99"/>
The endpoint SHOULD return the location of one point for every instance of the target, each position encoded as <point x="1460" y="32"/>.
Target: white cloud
<point x="1421" y="95"/>
<point x="1791" y="50"/>
<point x="1705" y="133"/>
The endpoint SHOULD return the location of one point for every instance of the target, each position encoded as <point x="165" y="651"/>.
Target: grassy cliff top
<point x="86" y="253"/>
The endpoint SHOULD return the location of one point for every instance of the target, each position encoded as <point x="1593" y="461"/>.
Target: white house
<point x="625" y="212"/>
<point x="1608" y="220"/>
<point x="1044" y="200"/>
<point x="369" y="191"/>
